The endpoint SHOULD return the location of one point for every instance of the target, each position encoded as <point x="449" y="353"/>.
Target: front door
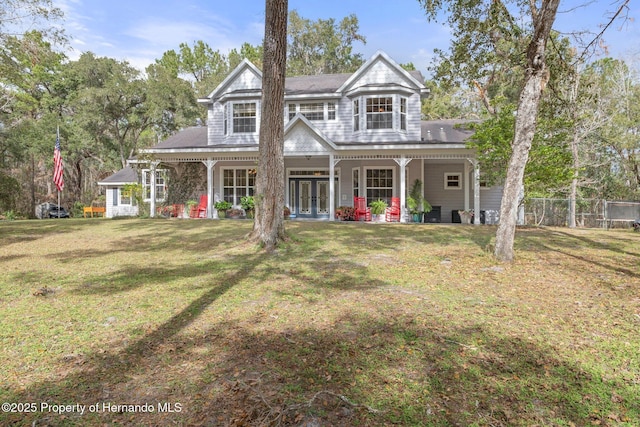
<point x="310" y="197"/>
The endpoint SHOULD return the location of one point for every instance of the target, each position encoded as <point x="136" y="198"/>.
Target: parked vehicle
<point x="56" y="211"/>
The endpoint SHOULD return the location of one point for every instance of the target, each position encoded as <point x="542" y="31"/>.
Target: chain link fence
<point x="590" y="213"/>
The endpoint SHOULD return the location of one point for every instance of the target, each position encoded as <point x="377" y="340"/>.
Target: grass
<point x="346" y="324"/>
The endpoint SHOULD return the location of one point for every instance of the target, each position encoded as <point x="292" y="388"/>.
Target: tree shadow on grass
<point x="103" y="375"/>
<point x="569" y="244"/>
<point x="366" y="368"/>
<point x="381" y="371"/>
<point x="373" y="364"/>
<point x="103" y="370"/>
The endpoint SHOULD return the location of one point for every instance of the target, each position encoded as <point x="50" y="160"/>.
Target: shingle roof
<point x="451" y="131"/>
<point x="324" y="83"/>
<point x="126" y="175"/>
<point x="192" y="137"/>
<point x="314" y="84"/>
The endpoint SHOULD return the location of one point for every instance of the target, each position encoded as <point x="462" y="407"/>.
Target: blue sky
<point x="140" y="31"/>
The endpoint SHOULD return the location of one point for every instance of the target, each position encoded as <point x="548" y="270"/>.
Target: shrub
<point x="346" y="213"/>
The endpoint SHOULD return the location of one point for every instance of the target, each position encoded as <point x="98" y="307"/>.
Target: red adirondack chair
<point x="362" y="211"/>
<point x="392" y="213"/>
<point x="199" y="210"/>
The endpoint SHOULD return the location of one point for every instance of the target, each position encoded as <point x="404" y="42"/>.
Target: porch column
<point x="476" y="189"/>
<point x="152" y="203"/>
<point x="332" y="187"/>
<point x="466" y="184"/>
<point x="210" y="164"/>
<point x="402" y="162"/>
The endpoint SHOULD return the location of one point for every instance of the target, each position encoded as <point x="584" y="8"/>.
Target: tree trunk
<point x="268" y="228"/>
<point x="536" y="78"/>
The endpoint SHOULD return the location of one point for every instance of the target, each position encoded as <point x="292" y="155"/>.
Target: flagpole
<point x="58" y="139"/>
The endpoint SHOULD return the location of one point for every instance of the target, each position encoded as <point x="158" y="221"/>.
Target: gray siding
<point x="380" y="74"/>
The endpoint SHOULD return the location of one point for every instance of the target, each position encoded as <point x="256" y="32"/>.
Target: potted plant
<point x="190" y="205"/>
<point x="234" y="213"/>
<point x="377" y="208"/>
<point x="222" y="206"/>
<point x="466" y="216"/>
<point x="248" y="204"/>
<point x="416" y="202"/>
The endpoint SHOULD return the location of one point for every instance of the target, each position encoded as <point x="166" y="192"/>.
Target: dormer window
<point x="380" y="113"/>
<point x="244" y="118"/>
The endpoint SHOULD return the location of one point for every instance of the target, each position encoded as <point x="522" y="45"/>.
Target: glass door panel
<point x="322" y="190"/>
<point x="305" y="197"/>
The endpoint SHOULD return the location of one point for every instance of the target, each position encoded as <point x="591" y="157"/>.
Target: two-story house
<point x="346" y="135"/>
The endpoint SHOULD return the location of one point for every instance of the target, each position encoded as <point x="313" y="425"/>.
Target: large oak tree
<point x="268" y="227"/>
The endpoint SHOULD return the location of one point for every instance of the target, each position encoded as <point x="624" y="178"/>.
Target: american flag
<point x="58" y="179"/>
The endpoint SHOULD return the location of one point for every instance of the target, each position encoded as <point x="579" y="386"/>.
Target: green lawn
<point x="180" y="322"/>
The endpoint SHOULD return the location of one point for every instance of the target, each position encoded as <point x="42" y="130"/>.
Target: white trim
<point x="460" y="183"/>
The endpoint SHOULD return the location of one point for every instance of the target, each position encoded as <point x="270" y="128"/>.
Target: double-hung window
<point x="147" y="182"/>
<point x="226" y="119"/>
<point x="238" y="183"/>
<point x="380" y="113"/>
<point x="292" y="111"/>
<point x="125" y="196"/>
<point x="403" y="113"/>
<point x="379" y="184"/>
<point x="356" y="115"/>
<point x="313" y="111"/>
<point x="331" y="111"/>
<point x="244" y="117"/>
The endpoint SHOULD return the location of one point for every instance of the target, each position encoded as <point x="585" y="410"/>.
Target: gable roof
<point x="301" y="135"/>
<point x="414" y="78"/>
<point x="245" y="65"/>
